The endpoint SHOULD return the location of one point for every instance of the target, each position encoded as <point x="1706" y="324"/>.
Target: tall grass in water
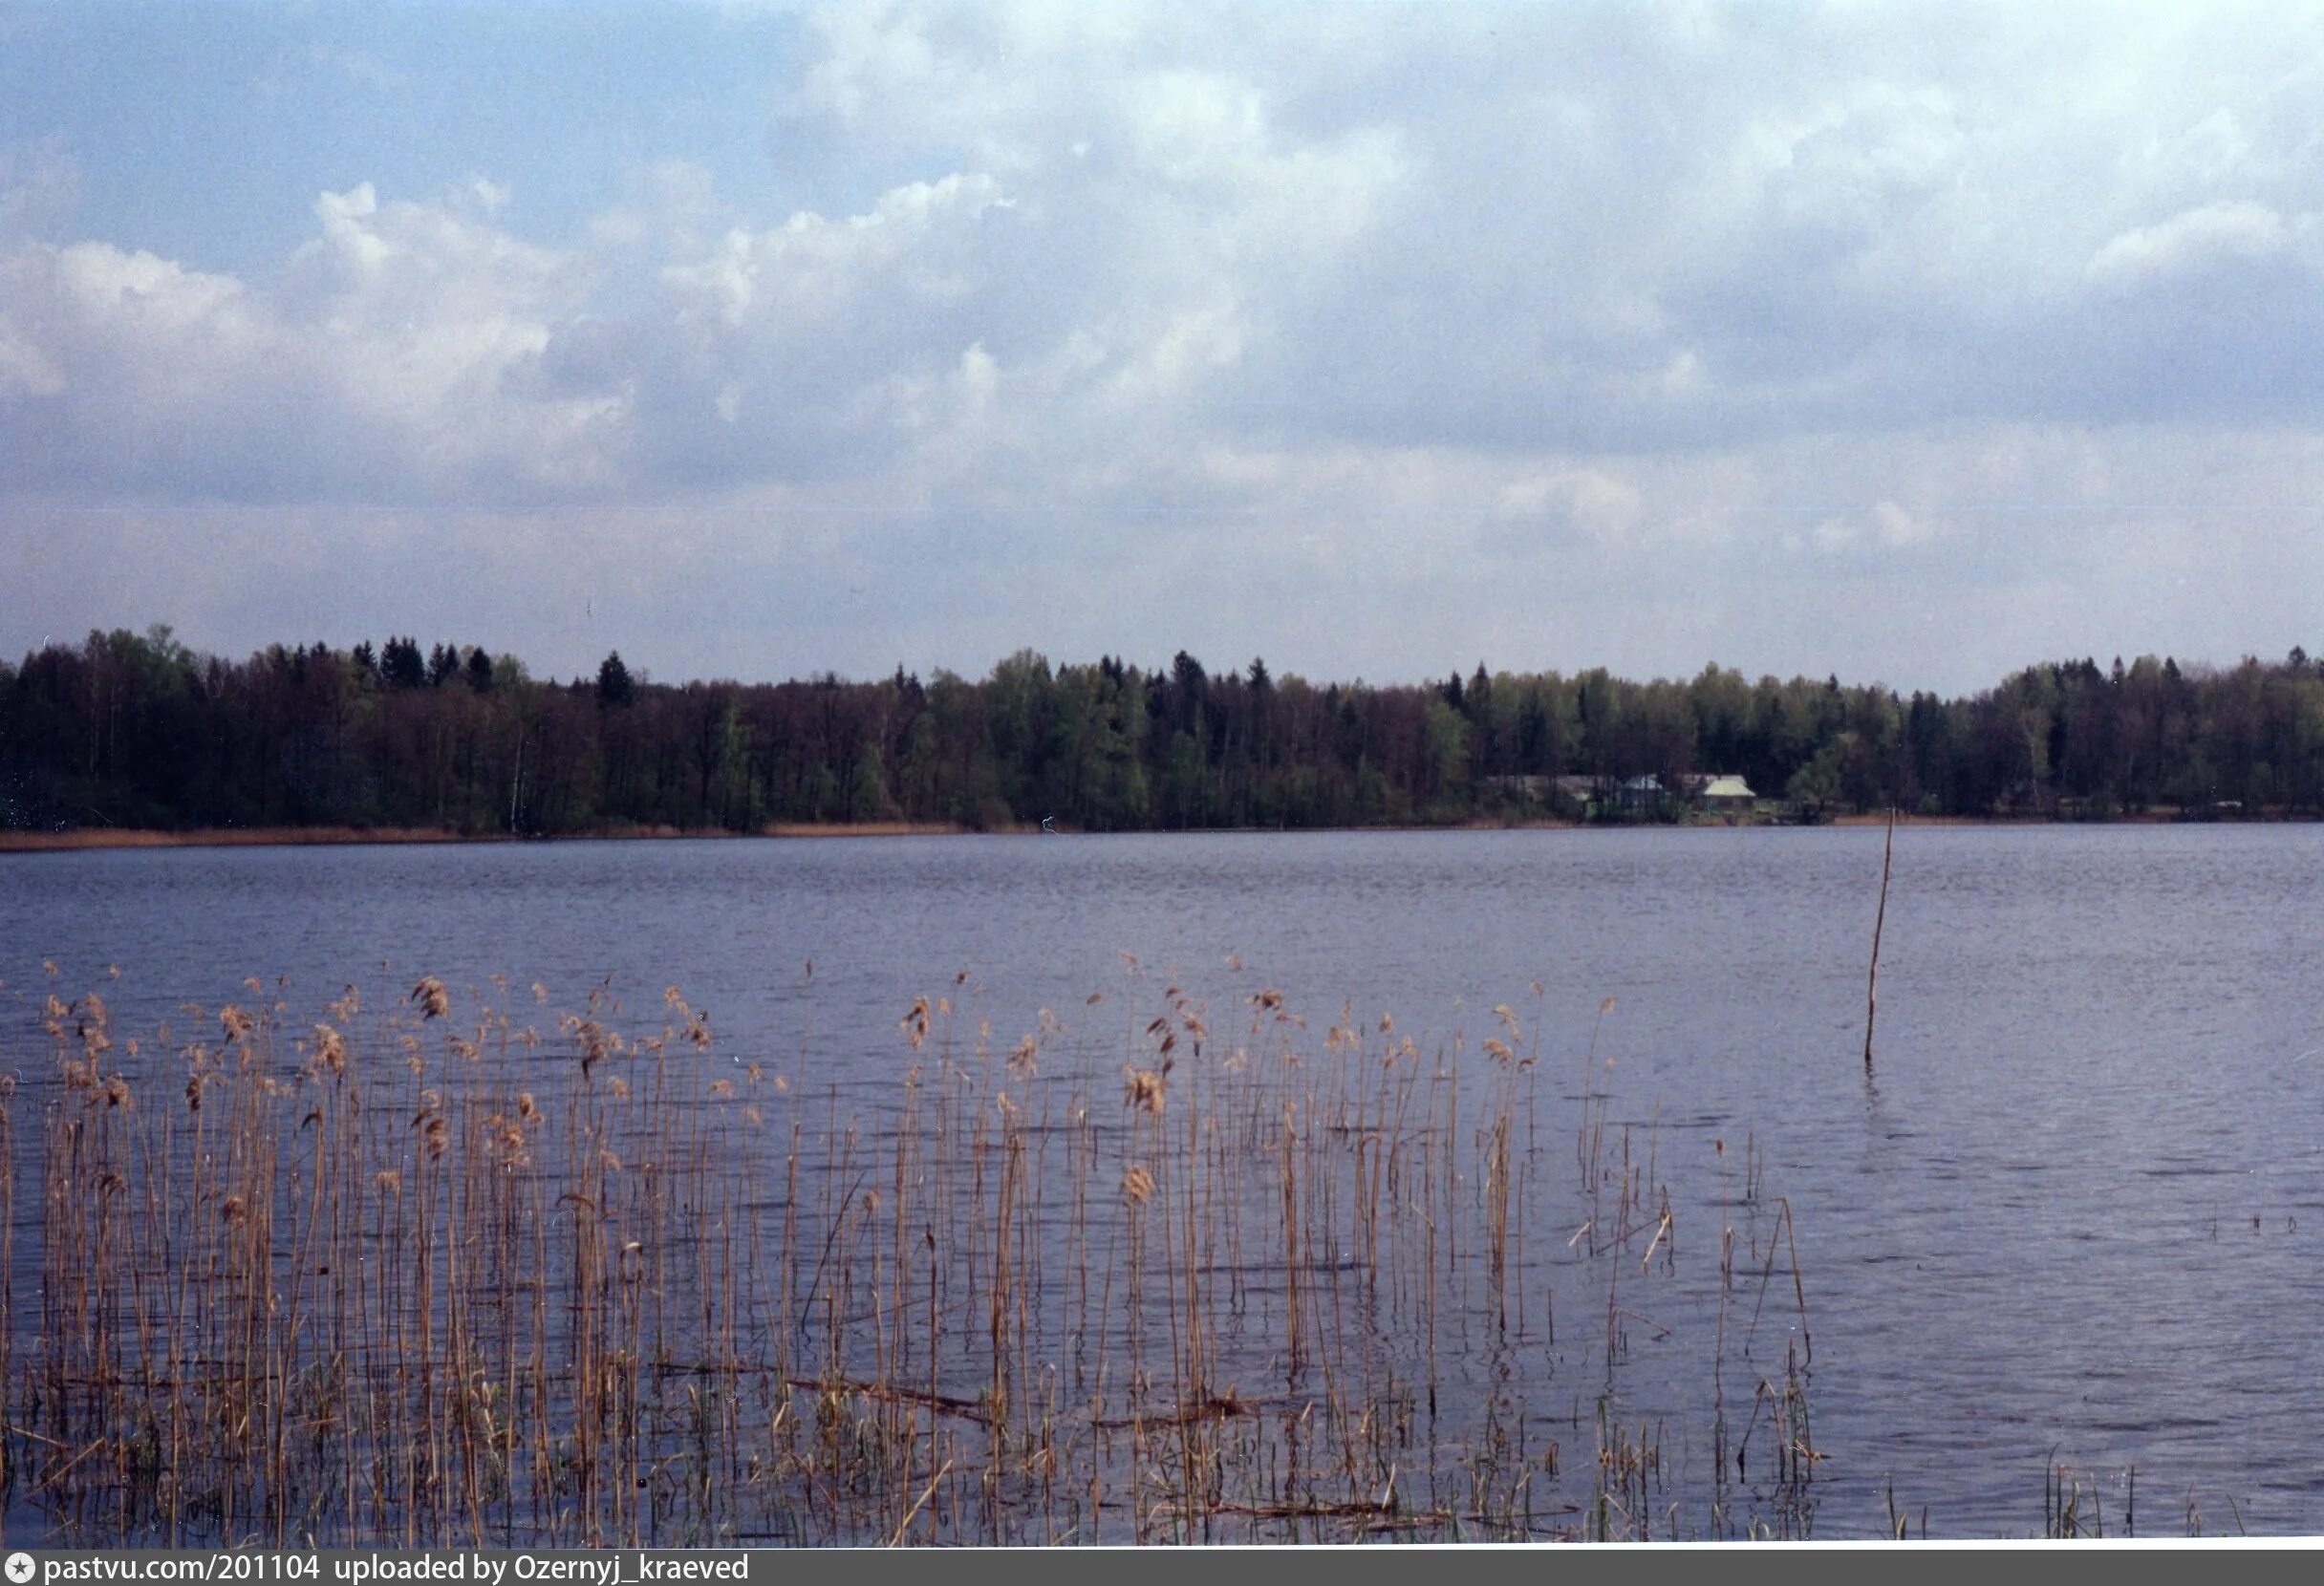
<point x="438" y="1269"/>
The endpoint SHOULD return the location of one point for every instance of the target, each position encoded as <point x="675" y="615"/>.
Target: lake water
<point x="2076" y="1212"/>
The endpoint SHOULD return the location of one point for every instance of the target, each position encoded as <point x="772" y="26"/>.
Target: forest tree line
<point x="138" y="731"/>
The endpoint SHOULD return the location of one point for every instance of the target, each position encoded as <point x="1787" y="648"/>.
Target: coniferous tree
<point x="401" y="664"/>
<point x="614" y="685"/>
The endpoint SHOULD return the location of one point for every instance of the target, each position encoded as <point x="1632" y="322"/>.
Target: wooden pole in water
<point x="1872" y="980"/>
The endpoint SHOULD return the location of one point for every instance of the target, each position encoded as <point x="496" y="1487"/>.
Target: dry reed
<point x="433" y="1273"/>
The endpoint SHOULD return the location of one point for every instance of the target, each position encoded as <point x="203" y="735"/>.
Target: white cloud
<point x="1627" y="296"/>
<point x="1315" y="229"/>
<point x="25" y="370"/>
<point x="395" y="359"/>
<point x="1593" y="501"/>
<point x="2190" y="241"/>
<point x="809" y="269"/>
<point x="1895" y="527"/>
<point x="1887" y="525"/>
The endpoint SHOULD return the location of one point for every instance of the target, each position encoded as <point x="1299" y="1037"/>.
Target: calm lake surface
<point x="2077" y="1212"/>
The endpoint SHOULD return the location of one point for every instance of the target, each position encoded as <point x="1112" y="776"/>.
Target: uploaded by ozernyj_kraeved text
<point x="381" y="1568"/>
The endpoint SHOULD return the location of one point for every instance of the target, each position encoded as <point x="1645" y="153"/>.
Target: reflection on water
<point x="2075" y="1208"/>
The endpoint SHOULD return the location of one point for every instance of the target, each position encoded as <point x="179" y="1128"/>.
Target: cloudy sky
<point x="1910" y="342"/>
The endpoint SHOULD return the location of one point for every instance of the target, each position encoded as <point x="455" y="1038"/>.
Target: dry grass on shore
<point x="862" y="828"/>
<point x="224" y="837"/>
<point x="255" y="837"/>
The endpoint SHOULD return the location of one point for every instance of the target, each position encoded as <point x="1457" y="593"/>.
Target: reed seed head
<point x="915" y="1024"/>
<point x="1144" y="1089"/>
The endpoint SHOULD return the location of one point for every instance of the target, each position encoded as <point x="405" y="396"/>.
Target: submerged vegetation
<point x="129" y="732"/>
<point x="458" y="1269"/>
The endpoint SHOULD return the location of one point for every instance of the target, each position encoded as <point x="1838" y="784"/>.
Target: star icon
<point x="20" y="1566"/>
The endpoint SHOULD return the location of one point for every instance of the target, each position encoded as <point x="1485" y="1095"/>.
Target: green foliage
<point x="138" y="731"/>
<point x="1448" y="752"/>
<point x="868" y="797"/>
<point x="1185" y="783"/>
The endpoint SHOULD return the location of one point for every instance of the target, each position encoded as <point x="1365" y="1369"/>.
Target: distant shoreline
<point x="90" y="837"/>
<point x="85" y="838"/>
